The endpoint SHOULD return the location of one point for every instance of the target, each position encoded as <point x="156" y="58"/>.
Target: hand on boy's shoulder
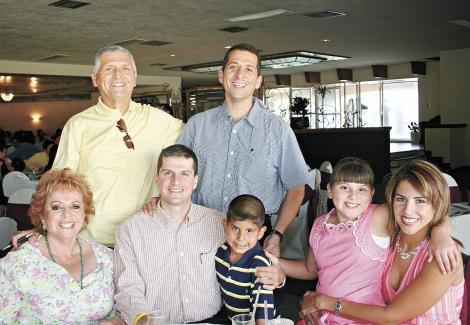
<point x="270" y="276"/>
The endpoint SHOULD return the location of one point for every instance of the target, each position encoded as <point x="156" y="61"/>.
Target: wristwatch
<point x="278" y="234"/>
<point x="338" y="307"/>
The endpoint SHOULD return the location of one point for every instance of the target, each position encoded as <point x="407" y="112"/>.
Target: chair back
<point x="295" y="243"/>
<point x="14" y="181"/>
<point x="22" y="196"/>
<point x="455" y="196"/>
<point x="7" y="230"/>
<point x="17" y="208"/>
<point x="461" y="231"/>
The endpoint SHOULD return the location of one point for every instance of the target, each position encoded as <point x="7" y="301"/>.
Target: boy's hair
<point x="177" y="150"/>
<point x="354" y="170"/>
<point x="246" y="207"/>
<point x="242" y="47"/>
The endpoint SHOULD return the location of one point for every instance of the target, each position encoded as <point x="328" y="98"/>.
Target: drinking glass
<point x="280" y="321"/>
<point x="242" y="319"/>
<point x="158" y="317"/>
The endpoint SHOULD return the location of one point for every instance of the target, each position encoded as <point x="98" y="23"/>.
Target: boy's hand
<point x="150" y="206"/>
<point x="270" y="276"/>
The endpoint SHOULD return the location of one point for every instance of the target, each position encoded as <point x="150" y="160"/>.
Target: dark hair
<point x="242" y="47"/>
<point x="46" y="143"/>
<point x="428" y="180"/>
<point x="246" y="207"/>
<point x="354" y="170"/>
<point x="177" y="150"/>
<point x="52" y="154"/>
<point x="18" y="164"/>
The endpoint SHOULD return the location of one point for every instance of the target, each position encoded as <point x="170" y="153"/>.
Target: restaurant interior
<point x="386" y="81"/>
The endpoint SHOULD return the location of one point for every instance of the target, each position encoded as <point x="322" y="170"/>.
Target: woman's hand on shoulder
<point x="445" y="251"/>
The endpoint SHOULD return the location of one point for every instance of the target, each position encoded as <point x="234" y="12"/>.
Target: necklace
<point x="82" y="263"/>
<point x="406" y="255"/>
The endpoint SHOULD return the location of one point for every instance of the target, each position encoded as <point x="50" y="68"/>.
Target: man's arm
<point x="130" y="287"/>
<point x="288" y="211"/>
<point x="68" y="153"/>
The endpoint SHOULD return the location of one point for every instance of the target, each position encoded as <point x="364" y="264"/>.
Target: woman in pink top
<point x="349" y="245"/>
<point x="415" y="292"/>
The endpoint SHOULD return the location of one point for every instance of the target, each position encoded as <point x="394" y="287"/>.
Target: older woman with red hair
<point x="60" y="278"/>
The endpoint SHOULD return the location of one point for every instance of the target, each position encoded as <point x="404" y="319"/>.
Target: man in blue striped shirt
<point x="244" y="149"/>
<point x="237" y="259"/>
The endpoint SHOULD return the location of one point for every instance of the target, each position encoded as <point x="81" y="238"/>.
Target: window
<point x="391" y="103"/>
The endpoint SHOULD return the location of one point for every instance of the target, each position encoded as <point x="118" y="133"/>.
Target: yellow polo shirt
<point x="121" y="179"/>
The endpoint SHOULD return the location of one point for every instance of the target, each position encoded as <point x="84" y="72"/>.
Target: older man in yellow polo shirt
<point x="116" y="144"/>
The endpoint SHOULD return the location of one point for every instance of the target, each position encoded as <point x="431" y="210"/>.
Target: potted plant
<point x="415" y="133"/>
<point x="299" y="113"/>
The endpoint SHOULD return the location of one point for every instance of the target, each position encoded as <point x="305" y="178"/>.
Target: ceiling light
<point x="7" y="95"/>
<point x="296" y="59"/>
<point x="274" y="61"/>
<point x="325" y="40"/>
<point x="227" y="46"/>
<point x="260" y="15"/>
<point x="461" y="22"/>
<point x="172" y="54"/>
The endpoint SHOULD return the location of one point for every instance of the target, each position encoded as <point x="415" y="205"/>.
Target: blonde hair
<point x="428" y="180"/>
<point x="56" y="180"/>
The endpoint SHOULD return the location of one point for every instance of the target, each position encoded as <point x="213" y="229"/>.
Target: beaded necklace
<point x="406" y="255"/>
<point x="82" y="263"/>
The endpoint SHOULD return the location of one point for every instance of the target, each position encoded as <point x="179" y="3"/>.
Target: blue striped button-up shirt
<point x="259" y="155"/>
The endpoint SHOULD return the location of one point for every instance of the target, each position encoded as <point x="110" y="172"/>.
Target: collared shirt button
<point x="186" y="300"/>
<point x="181" y="254"/>
<point x="225" y="198"/>
<point x="234" y="131"/>
<point x="184" y="277"/>
<point x="228" y="175"/>
<point x="231" y="153"/>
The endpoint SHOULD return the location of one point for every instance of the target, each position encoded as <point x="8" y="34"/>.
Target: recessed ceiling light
<point x="172" y="54"/>
<point x="461" y="22"/>
<point x="260" y="15"/>
<point x="227" y="46"/>
<point x="325" y="40"/>
<point x="273" y="61"/>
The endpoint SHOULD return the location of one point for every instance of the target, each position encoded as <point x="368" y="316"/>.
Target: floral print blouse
<point x="35" y="290"/>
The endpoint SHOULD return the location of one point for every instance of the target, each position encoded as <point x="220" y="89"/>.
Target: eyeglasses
<point x="121" y="125"/>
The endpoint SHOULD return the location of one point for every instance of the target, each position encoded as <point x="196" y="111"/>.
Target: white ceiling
<point x="371" y="32"/>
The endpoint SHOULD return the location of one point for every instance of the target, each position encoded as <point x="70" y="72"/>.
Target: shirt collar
<point x="247" y="257"/>
<point x="254" y="116"/>
<point x="191" y="216"/>
<point x="103" y="109"/>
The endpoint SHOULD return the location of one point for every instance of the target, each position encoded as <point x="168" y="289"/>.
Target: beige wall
<point x="455" y="93"/>
<point x="16" y="116"/>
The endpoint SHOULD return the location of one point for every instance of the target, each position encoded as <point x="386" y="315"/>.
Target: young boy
<point x="237" y="259"/>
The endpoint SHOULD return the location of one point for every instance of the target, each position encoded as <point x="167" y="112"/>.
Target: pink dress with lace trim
<point x="349" y="262"/>
<point x="446" y="311"/>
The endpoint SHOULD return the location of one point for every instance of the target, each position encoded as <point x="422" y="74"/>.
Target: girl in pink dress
<point x="350" y="244"/>
<point x="415" y="292"/>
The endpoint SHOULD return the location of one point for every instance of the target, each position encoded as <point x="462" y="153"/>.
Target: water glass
<point x="280" y="321"/>
<point x="242" y="319"/>
<point x="158" y="317"/>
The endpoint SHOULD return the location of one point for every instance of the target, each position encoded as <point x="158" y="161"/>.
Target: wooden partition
<point x="370" y="144"/>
